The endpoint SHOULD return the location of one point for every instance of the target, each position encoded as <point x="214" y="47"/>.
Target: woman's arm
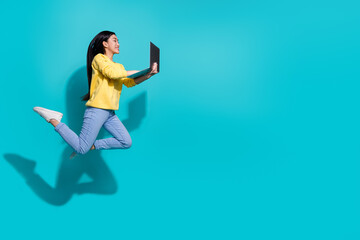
<point x="139" y="80"/>
<point x="106" y="67"/>
<point x="131" y="72"/>
<point x="147" y="76"/>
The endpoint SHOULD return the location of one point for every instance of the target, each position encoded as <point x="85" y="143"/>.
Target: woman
<point x="105" y="79"/>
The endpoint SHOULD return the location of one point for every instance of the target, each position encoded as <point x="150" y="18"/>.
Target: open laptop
<point x="154" y="57"/>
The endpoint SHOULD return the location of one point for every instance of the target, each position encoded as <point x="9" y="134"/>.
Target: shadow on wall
<point x="71" y="170"/>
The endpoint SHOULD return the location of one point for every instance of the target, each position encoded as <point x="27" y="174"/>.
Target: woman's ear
<point x="105" y="44"/>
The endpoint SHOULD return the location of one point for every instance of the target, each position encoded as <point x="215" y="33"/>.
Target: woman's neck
<point x="109" y="55"/>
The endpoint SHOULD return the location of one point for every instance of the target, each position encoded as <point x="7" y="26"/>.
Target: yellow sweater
<point x="106" y="83"/>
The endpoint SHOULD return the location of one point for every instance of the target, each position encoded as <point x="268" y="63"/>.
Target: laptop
<point x="154" y="57"/>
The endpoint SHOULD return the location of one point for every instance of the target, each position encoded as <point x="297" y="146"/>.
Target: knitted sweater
<point x="106" y="83"/>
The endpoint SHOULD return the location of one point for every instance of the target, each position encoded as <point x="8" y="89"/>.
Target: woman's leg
<point x="94" y="118"/>
<point x="121" y="137"/>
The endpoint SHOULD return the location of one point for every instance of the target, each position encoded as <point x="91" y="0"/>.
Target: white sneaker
<point x="48" y="114"/>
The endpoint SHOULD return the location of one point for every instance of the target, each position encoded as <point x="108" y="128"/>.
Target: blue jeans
<point x="94" y="119"/>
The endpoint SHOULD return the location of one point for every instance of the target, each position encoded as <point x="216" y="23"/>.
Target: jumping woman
<point x="105" y="78"/>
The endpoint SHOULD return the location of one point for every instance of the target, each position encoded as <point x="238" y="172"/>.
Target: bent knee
<point x="128" y="143"/>
<point x="82" y="151"/>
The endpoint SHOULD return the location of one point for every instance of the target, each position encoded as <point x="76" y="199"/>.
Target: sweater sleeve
<point x="129" y="82"/>
<point x="107" y="68"/>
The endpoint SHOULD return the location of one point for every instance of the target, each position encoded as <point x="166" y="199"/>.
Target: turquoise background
<point x="249" y="131"/>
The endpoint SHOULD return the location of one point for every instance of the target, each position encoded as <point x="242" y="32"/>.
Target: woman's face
<point x="112" y="44"/>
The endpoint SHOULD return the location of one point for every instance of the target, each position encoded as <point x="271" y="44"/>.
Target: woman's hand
<point x="153" y="71"/>
<point x="147" y="76"/>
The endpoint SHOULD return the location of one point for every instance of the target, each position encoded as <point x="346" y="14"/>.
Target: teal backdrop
<point x="249" y="131"/>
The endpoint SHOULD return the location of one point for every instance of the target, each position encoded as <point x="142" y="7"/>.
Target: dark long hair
<point x="96" y="46"/>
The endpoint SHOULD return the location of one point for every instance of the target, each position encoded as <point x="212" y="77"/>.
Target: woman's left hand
<point x="153" y="70"/>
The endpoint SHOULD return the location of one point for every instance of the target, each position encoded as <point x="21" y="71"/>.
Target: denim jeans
<point x="94" y="119"/>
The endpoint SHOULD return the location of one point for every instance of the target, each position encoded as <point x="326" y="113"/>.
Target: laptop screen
<point x="154" y="55"/>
